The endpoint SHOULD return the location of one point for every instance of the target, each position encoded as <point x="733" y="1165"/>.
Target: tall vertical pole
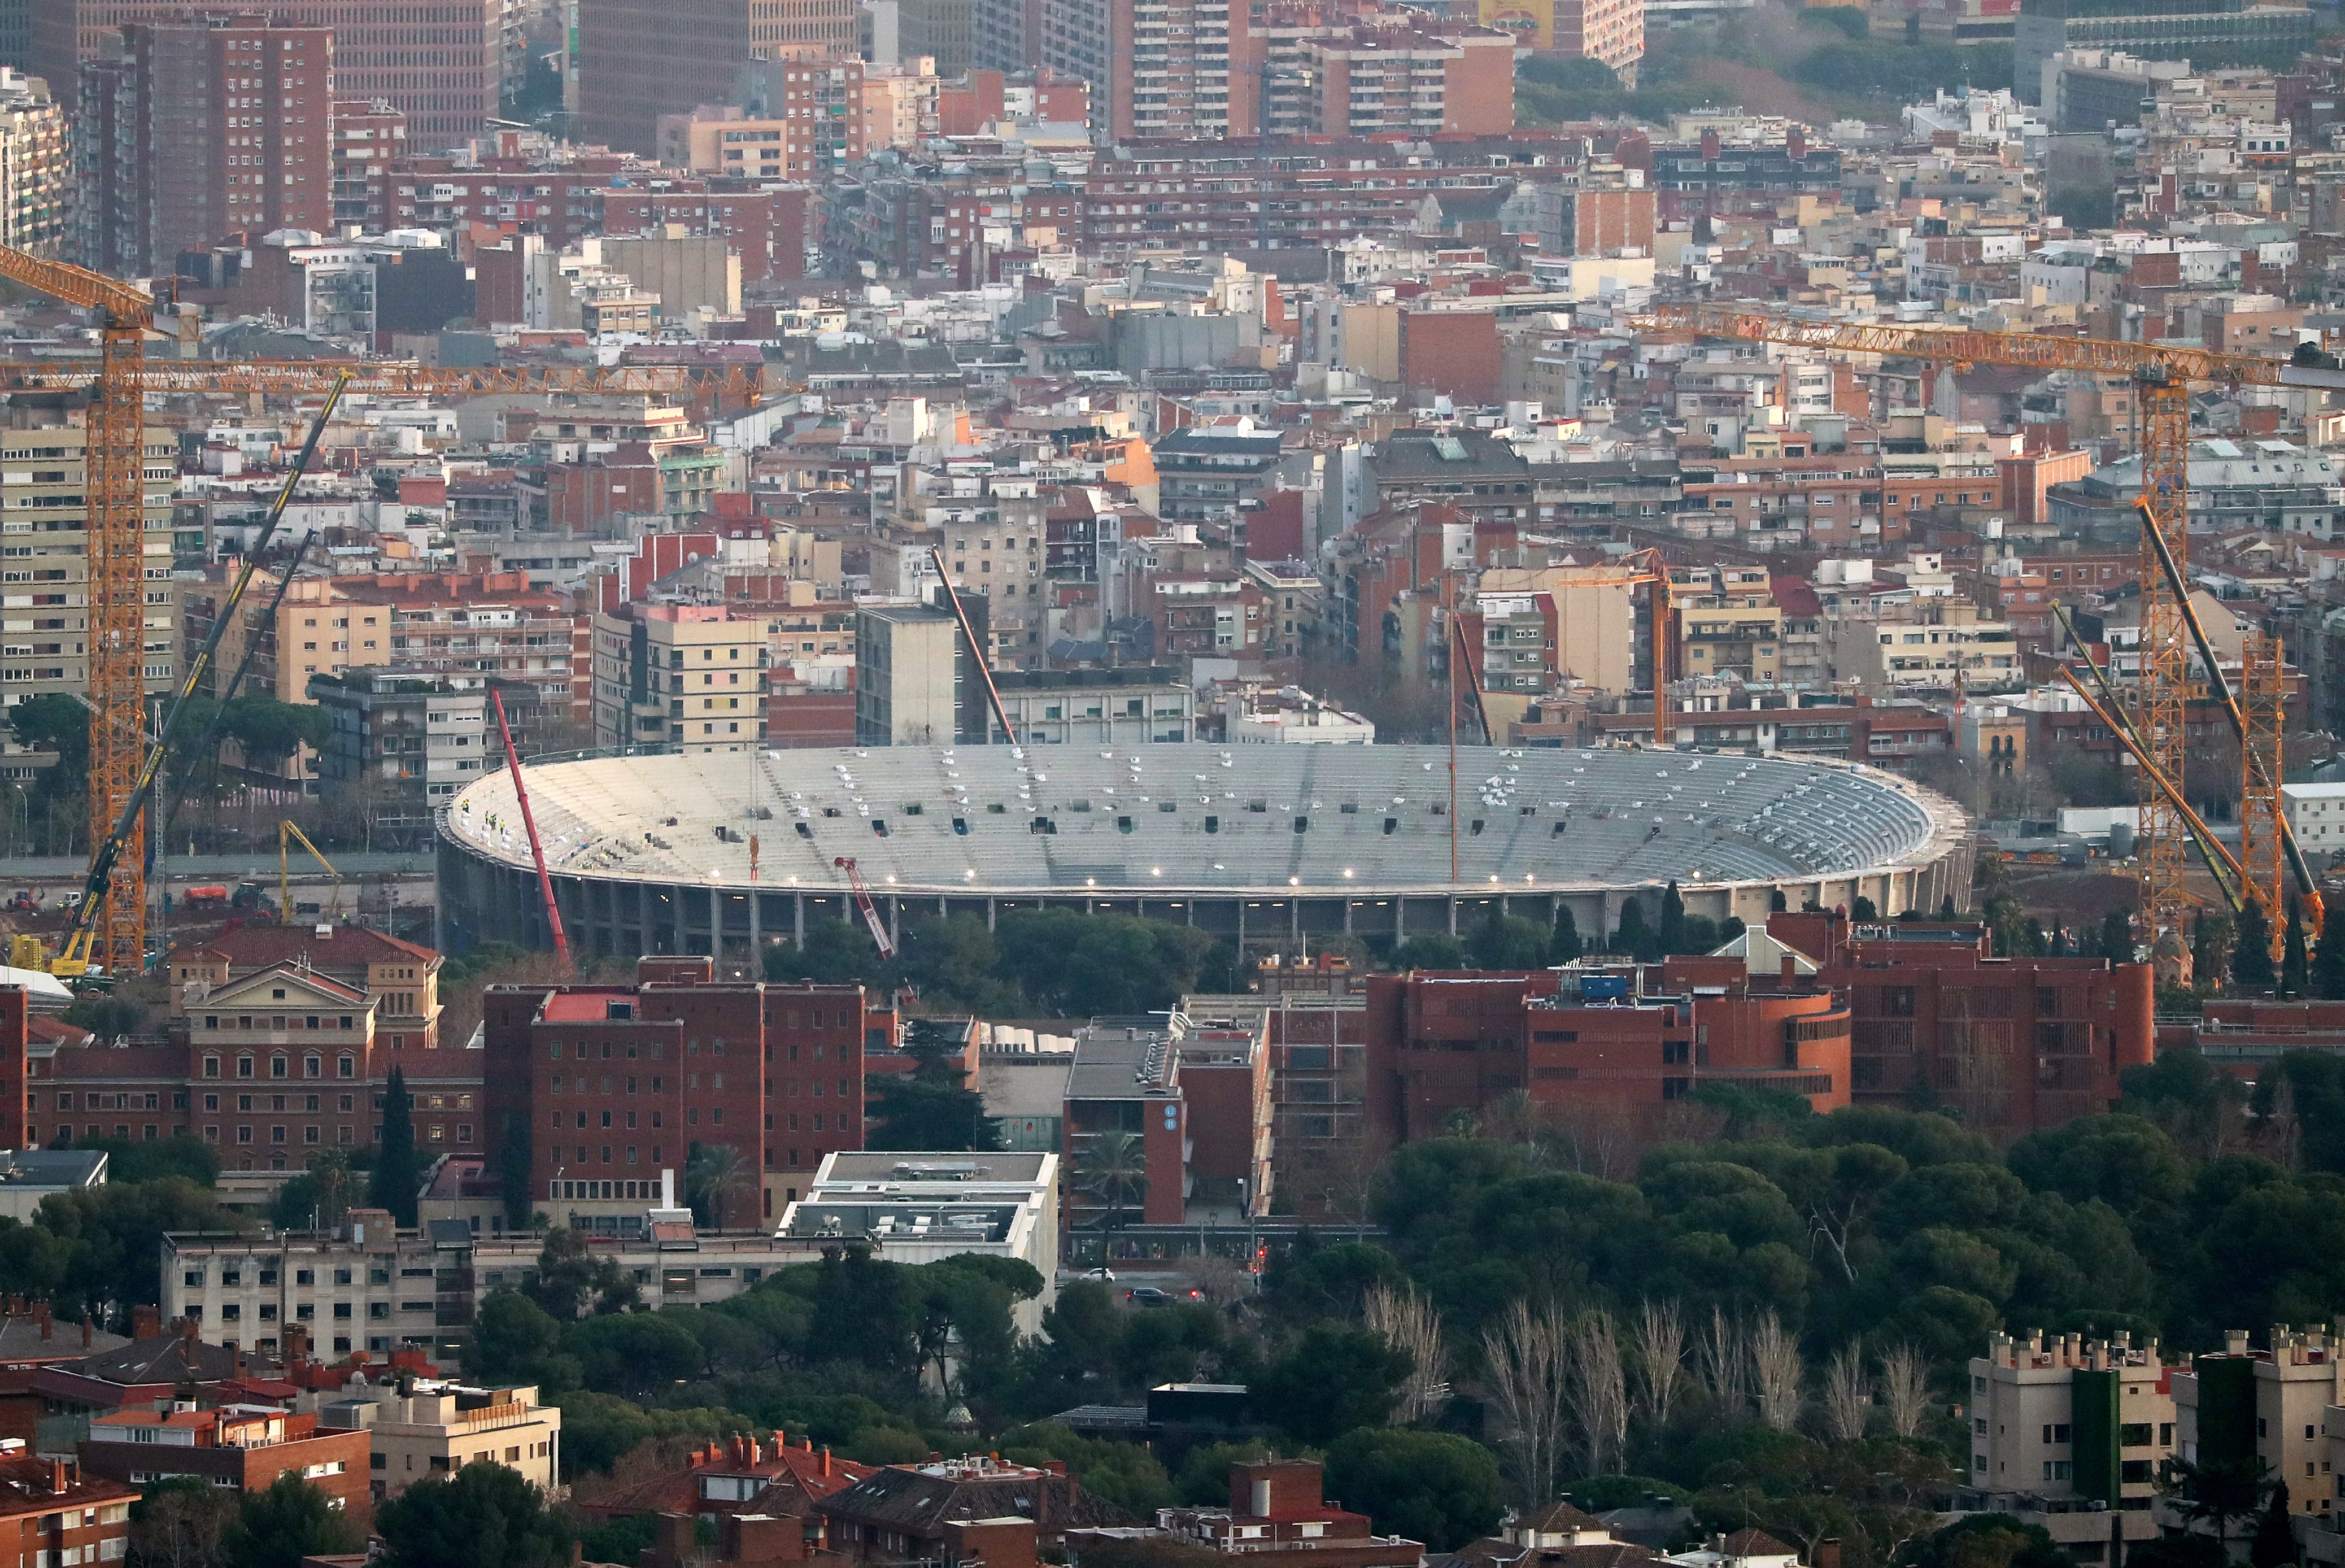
<point x="2164" y="686"/>
<point x="2262" y="862"/>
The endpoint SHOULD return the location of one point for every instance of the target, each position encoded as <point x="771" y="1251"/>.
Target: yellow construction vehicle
<point x="286" y="832"/>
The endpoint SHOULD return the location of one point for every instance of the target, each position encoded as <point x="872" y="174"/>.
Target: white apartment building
<point x="45" y="562"/>
<point x="2316" y="815"/>
<point x="918" y="1208"/>
<point x="2065" y="1431"/>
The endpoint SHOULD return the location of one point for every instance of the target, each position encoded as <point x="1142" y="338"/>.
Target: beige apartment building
<point x="2065" y="1431"/>
<point x="1924" y="644"/>
<point x="44" y="561"/>
<point x="2275" y="1404"/>
<point x="440" y="1428"/>
<point x="692" y="675"/>
<point x="316" y="630"/>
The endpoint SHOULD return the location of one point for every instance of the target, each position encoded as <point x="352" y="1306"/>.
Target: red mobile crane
<point x="870" y="910"/>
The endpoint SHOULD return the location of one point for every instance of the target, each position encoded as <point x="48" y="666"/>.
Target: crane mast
<point x="2161" y="377"/>
<point x="109" y="926"/>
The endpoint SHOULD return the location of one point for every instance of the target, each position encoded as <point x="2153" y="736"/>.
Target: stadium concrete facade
<point x="1265" y="845"/>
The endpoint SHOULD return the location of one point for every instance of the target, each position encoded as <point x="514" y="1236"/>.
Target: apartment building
<point x="2271" y="1404"/>
<point x="690" y="676"/>
<point x="198" y="129"/>
<point x="280" y="643"/>
<point x="236" y="1446"/>
<point x="1158" y="69"/>
<point x="36" y="168"/>
<point x="613" y="1083"/>
<point x="2066" y="1429"/>
<point x="437" y="1427"/>
<point x="1374" y="81"/>
<point x="44" y="559"/>
<point x="909" y="684"/>
<point x="409" y="737"/>
<point x="639" y="59"/>
<point x="442" y="63"/>
<point x="1129" y="706"/>
<point x="57" y="1507"/>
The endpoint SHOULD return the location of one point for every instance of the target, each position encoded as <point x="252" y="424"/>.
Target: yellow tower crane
<point x="2161" y="376"/>
<point x="109" y="926"/>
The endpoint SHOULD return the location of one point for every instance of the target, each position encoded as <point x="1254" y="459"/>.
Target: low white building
<point x="2316" y="815"/>
<point x="919" y="1208"/>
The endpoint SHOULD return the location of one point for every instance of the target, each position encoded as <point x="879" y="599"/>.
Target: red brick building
<point x="2019" y="1042"/>
<point x="1277" y="1517"/>
<point x="269" y="1077"/>
<point x="57" y="1512"/>
<point x="609" y="1084"/>
<point x="1443" y="1043"/>
<point x="238" y="1447"/>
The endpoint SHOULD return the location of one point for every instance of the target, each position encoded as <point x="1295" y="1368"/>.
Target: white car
<point x="1101" y="1272"/>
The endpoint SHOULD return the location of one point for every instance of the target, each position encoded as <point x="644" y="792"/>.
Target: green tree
<point x="2217" y="1493"/>
<point x="571" y="1278"/>
<point x="1507" y="941"/>
<point x="484" y="1516"/>
<point x="398" y="1173"/>
<point x="1434" y="1487"/>
<point x="2274" y="1543"/>
<point x="598" y="1429"/>
<point x="55" y="723"/>
<point x="1433" y="949"/>
<point x="2212" y="937"/>
<point x="716" y="1178"/>
<point x="1334" y="1378"/>
<point x="2295" y="973"/>
<point x="269" y="732"/>
<point x="633" y="1354"/>
<point x="1564" y="946"/>
<point x="1633" y="937"/>
<point x="1203" y="1479"/>
<point x="287" y="1520"/>
<point x="933" y="1106"/>
<point x="1112" y="1166"/>
<point x="1990" y="1541"/>
<point x="2116" y="937"/>
<point x="1671" y="934"/>
<point x="2251" y="964"/>
<point x="317" y="1198"/>
<point x="182" y="1523"/>
<point x="2329" y="964"/>
<point x="112" y="1240"/>
<point x="181" y="1154"/>
<point x="513" y="1340"/>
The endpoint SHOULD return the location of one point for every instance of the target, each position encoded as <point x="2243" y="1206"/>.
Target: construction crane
<point x="2161" y="376"/>
<point x="870" y="910"/>
<point x="287" y="831"/>
<point x="109" y="926"/>
<point x="536" y="846"/>
<point x="976" y="653"/>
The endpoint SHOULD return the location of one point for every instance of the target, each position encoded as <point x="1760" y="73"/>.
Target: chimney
<point x="1711" y="145"/>
<point x="826" y="1461"/>
<point x="1790" y="973"/>
<point x="89" y="1331"/>
<point x="145" y="1322"/>
<point x="57" y="1475"/>
<point x="1827" y="1553"/>
<point x="296" y="1345"/>
<point x="42" y="1316"/>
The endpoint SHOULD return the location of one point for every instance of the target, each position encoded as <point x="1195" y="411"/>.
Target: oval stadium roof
<point x="1206" y="817"/>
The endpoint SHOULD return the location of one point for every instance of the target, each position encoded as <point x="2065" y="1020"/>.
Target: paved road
<point x="218" y="868"/>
